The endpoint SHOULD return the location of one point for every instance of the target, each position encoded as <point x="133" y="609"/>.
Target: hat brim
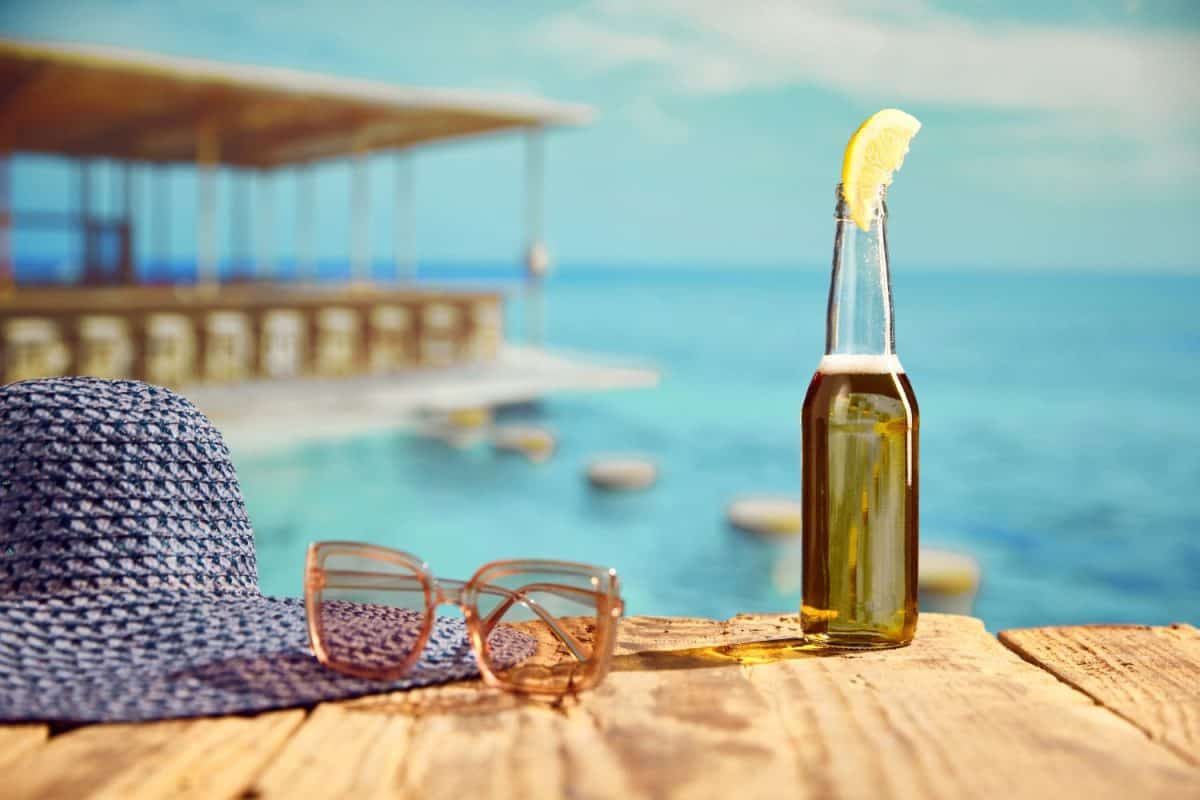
<point x="142" y="657"/>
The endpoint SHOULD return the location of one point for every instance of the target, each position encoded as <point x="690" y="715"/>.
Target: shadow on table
<point x="742" y="653"/>
<point x="472" y="698"/>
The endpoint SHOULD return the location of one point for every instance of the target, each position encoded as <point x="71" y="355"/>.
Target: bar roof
<point x="88" y="101"/>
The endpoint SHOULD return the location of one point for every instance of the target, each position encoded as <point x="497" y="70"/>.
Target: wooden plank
<point x="178" y="759"/>
<point x="22" y="82"/>
<point x="19" y="740"/>
<point x="1148" y="675"/>
<point x="59" y="99"/>
<point x="339" y="752"/>
<point x="698" y="708"/>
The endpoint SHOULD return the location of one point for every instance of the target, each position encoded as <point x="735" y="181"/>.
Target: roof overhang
<point x="84" y="101"/>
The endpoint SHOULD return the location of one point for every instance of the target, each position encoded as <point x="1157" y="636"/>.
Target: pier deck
<point x="262" y="414"/>
<point x="702" y="708"/>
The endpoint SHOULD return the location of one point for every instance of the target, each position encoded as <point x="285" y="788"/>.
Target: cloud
<point x="910" y="53"/>
<point x="602" y="47"/>
<point x="1095" y="82"/>
<point x="656" y="124"/>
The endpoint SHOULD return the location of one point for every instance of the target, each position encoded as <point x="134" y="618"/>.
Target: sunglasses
<point x="535" y="626"/>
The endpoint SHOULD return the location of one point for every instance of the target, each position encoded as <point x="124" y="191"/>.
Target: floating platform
<point x="622" y="473"/>
<point x="536" y="444"/>
<point x="269" y="412"/>
<point x="766" y="515"/>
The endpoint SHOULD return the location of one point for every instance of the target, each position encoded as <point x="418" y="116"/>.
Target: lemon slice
<point x="875" y="151"/>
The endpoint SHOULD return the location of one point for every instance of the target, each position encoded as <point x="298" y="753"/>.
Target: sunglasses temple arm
<point x="510" y="598"/>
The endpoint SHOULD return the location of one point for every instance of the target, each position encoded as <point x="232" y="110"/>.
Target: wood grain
<point x="340" y="753"/>
<point x="1148" y="675"/>
<point x="177" y="759"/>
<point x="18" y="740"/>
<point x="700" y="708"/>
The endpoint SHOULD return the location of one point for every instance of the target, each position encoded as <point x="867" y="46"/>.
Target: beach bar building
<point x="139" y="109"/>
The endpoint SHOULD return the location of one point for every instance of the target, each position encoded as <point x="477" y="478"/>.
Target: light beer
<point x="859" y="425"/>
<point x="860" y="428"/>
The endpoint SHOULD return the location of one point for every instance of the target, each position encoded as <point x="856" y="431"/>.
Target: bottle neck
<point x="859" y="320"/>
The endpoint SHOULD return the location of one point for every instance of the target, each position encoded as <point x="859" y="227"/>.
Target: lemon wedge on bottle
<point x="875" y="151"/>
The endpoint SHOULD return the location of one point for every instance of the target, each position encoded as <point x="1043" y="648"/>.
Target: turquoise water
<point x="1060" y="446"/>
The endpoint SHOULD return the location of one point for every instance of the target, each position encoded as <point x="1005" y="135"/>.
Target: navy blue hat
<point x="128" y="581"/>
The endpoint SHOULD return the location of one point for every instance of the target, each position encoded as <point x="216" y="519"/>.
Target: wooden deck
<point x="693" y="710"/>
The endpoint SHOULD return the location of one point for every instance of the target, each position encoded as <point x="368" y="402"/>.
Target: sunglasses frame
<point x="465" y="595"/>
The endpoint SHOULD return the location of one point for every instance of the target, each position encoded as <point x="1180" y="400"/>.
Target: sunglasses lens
<point x="561" y="610"/>
<point x="371" y="614"/>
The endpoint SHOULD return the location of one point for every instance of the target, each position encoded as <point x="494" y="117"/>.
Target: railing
<point x="175" y="338"/>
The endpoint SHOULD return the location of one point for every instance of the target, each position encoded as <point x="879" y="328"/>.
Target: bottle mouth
<point x="841" y="209"/>
<point x="837" y="190"/>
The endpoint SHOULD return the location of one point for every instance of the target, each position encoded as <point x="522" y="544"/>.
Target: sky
<point x="1056" y="135"/>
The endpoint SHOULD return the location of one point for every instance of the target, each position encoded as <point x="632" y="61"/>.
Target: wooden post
<point x="162" y="215"/>
<point x="403" y="227"/>
<point x="534" y="185"/>
<point x="312" y="339"/>
<point x="199" y="321"/>
<point x="360" y="223"/>
<point x="8" y="278"/>
<point x="257" y="333"/>
<point x="239" y="212"/>
<point x="139" y="338"/>
<point x="208" y="153"/>
<point x="265" y="225"/>
<point x="535" y="255"/>
<point x="85" y="226"/>
<point x="536" y="319"/>
<point x="127" y="267"/>
<point x="306" y="267"/>
<point x="366" y="338"/>
<point x="68" y="326"/>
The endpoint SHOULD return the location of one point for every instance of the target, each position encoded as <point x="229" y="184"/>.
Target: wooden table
<point x="695" y="709"/>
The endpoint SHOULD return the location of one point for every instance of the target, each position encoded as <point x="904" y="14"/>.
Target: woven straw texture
<point x="128" y="581"/>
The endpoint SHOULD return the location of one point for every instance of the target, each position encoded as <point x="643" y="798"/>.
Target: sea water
<point x="1060" y="445"/>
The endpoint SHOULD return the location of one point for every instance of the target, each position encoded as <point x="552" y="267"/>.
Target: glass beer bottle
<point x="859" y="426"/>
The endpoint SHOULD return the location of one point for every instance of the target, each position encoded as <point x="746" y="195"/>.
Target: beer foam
<point x="858" y="364"/>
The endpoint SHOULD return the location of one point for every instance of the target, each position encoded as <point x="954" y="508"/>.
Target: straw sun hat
<point x="128" y="581"/>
